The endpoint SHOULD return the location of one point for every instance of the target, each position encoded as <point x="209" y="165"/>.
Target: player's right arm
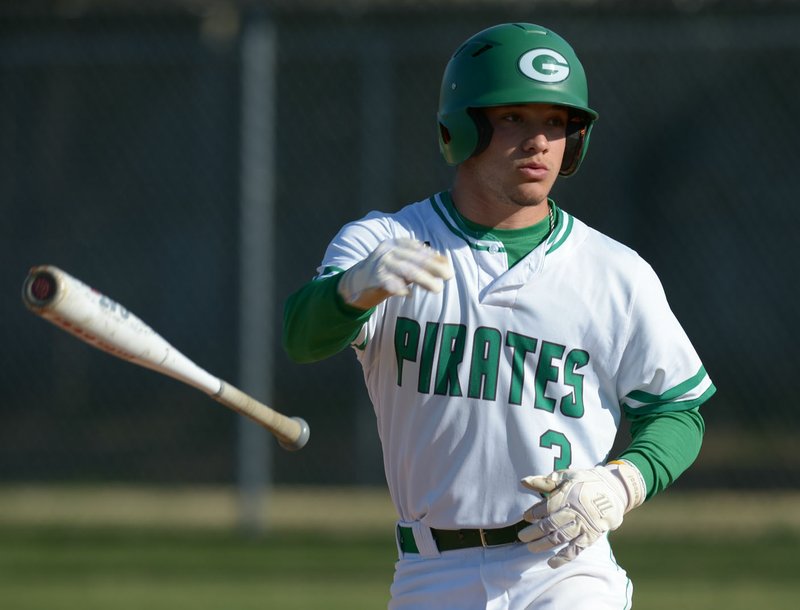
<point x="390" y="270"/>
<point x="317" y="323"/>
<point x="327" y="314"/>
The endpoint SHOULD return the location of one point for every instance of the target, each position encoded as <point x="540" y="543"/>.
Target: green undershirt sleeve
<point x="317" y="323"/>
<point x="663" y="445"/>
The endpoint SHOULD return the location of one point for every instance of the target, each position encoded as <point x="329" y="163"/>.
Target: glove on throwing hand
<point x="580" y="506"/>
<point x="389" y="270"/>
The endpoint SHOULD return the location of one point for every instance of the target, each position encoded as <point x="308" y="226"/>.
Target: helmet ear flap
<point x="463" y="134"/>
<point x="577" y="140"/>
<point x="484" y="129"/>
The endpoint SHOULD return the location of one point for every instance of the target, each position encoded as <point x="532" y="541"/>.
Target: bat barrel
<point x="103" y="323"/>
<point x="40" y="288"/>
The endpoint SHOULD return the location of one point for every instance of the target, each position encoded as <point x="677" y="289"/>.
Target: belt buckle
<point x="482" y="535"/>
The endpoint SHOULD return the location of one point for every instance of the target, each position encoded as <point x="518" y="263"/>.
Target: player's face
<point x="522" y="161"/>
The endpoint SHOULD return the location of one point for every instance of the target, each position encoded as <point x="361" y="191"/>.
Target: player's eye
<point x="511" y="117"/>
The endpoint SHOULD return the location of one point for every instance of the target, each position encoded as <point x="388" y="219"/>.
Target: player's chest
<point x="484" y="275"/>
<point x="534" y="307"/>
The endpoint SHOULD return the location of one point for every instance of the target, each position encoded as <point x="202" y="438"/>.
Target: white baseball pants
<point x="509" y="578"/>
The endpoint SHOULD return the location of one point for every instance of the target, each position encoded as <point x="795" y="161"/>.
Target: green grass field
<point x="729" y="558"/>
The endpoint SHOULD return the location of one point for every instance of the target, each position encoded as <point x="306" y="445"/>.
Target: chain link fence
<point x="121" y="162"/>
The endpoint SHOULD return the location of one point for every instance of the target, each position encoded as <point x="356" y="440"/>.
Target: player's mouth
<point x="534" y="171"/>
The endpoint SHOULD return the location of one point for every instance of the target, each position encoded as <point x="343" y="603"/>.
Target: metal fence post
<point x="256" y="263"/>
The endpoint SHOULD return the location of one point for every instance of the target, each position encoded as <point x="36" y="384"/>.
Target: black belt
<point x="450" y="540"/>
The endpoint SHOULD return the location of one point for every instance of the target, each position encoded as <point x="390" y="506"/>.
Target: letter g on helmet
<point x="511" y="63"/>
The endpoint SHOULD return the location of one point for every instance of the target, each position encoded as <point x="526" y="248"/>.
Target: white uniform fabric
<point x="508" y="373"/>
<point x="582" y="317"/>
<point x="510" y="578"/>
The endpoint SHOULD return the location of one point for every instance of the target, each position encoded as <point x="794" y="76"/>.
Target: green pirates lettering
<point x="486" y="344"/>
<point x="406" y="344"/>
<point x="521" y="346"/>
<point x="451" y="353"/>
<point x="443" y="365"/>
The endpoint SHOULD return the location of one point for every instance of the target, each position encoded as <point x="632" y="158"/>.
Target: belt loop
<point x="426" y="544"/>
<point x="482" y="535"/>
<point x="402" y="541"/>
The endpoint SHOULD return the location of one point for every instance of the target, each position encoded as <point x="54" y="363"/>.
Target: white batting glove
<point x="390" y="269"/>
<point x="579" y="507"/>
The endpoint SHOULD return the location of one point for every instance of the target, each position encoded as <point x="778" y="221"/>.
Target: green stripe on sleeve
<point x="685" y="396"/>
<point x="672" y="394"/>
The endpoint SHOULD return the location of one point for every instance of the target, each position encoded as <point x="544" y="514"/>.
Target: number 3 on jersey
<point x="551" y="439"/>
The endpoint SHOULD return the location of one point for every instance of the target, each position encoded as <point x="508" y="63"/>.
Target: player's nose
<point x="536" y="142"/>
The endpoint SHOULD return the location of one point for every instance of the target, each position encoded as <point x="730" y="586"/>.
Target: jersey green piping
<point x="666" y="407"/>
<point x="332" y="270"/>
<point x="671" y="394"/>
<point x="442" y="204"/>
<point x="565" y="228"/>
<point x="451" y="219"/>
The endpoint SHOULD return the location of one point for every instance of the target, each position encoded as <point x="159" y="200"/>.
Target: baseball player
<point x="502" y="342"/>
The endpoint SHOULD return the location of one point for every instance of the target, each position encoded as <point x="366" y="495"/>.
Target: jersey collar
<point x="442" y="204"/>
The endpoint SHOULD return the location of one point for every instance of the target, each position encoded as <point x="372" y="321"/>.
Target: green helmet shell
<point x="511" y="63"/>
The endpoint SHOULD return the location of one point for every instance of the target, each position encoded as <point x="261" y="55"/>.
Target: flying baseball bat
<point x="105" y="324"/>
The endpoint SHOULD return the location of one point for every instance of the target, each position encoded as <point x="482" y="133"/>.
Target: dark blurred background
<point x="132" y="145"/>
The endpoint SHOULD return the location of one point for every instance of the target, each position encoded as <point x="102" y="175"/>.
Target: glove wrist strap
<point x="631" y="480"/>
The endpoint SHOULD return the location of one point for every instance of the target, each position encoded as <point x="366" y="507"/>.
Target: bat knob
<point x="301" y="440"/>
<point x="40" y="288"/>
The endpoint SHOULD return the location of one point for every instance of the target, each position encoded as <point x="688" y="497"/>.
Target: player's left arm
<point x="581" y="505"/>
<point x="662" y="384"/>
<point x="663" y="446"/>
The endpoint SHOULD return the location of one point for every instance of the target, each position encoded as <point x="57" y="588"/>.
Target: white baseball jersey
<point x="510" y="372"/>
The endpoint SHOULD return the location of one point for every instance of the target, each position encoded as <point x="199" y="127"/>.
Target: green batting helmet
<point x="511" y="63"/>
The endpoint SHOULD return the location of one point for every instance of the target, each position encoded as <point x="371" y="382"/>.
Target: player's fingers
<point x="394" y="284"/>
<point x="536" y="531"/>
<point x="423" y="255"/>
<point x="426" y="259"/>
<point x="540" y="539"/>
<point x="438" y="265"/>
<point x="543" y="545"/>
<point x="412" y="273"/>
<point x="541" y="484"/>
<point x="536" y="512"/>
<point x="558" y="528"/>
<point x="547" y="542"/>
<point x="558" y="560"/>
<point x="550" y="505"/>
<point x="570" y="552"/>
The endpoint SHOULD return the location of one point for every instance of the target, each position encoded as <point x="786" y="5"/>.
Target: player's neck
<point x="499" y="215"/>
<point x="495" y="213"/>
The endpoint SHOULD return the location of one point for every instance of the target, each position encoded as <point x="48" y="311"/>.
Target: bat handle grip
<point x="292" y="432"/>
